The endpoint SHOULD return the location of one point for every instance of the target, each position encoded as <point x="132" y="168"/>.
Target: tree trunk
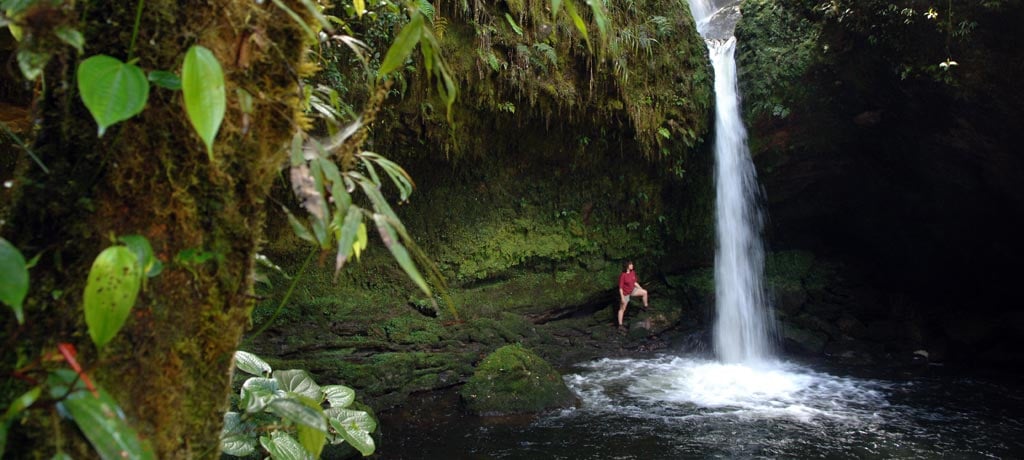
<point x="170" y="365"/>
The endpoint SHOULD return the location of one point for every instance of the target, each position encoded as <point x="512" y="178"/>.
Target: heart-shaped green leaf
<point x="13" y="278"/>
<point x="281" y="446"/>
<point x="112" y="90"/>
<point x="298" y="381"/>
<point x="202" y="82"/>
<point x="339" y="396"/>
<point x="110" y="291"/>
<point x="251" y="364"/>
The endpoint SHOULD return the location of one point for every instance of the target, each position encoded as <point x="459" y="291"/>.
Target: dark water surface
<point x="671" y="407"/>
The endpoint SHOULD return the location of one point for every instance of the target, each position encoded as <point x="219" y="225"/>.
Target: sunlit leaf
<point x="597" y="8"/>
<point x="237" y="438"/>
<point x="202" y="82"/>
<point x="312" y="438"/>
<point x="512" y="22"/>
<point x="281" y="446"/>
<point x="402" y="46"/>
<point x="298" y="381"/>
<point x="360" y="6"/>
<point x="112" y="90"/>
<point x="110" y="291"/>
<point x="556" y="5"/>
<point x="102" y="422"/>
<point x="257" y="392"/>
<point x="358" y="438"/>
<point x="251" y="364"/>
<point x="295" y="411"/>
<point x="339" y="396"/>
<point x="13" y="278"/>
<point x="577" y="20"/>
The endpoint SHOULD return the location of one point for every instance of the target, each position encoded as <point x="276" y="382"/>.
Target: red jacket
<point x="627" y="281"/>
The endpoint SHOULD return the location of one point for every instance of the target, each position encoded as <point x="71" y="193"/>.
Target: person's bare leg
<point x="622" y="309"/>
<point x="643" y="295"/>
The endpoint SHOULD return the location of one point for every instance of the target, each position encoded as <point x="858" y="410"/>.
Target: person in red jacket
<point x="629" y="287"/>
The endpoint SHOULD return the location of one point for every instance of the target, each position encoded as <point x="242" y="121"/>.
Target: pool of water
<point x="692" y="407"/>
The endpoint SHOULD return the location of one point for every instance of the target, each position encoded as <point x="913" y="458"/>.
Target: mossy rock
<point x="514" y="380"/>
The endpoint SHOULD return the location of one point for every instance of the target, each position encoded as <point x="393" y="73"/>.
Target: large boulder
<point x="514" y="380"/>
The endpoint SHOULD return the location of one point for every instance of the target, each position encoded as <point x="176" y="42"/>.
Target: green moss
<point x="413" y="330"/>
<point x="514" y="380"/>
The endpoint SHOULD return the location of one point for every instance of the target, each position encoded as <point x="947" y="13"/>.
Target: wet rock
<point x="514" y="380"/>
<point x="802" y="340"/>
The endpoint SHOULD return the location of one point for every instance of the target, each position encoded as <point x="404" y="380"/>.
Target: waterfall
<point x="743" y="323"/>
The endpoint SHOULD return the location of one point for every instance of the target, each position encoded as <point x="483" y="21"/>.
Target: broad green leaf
<point x="347" y="236"/>
<point x="13" y="278"/>
<point x="202" y="82"/>
<point x="360" y="6"/>
<point x="59" y="456"/>
<point x="251" y="364"/>
<point x="312" y="438"/>
<point x="298" y="381"/>
<point x="298" y="227"/>
<point x="165" y="79"/>
<point x="238" y="444"/>
<point x="403" y="46"/>
<point x="112" y="90"/>
<point x="349" y="417"/>
<point x="151" y="266"/>
<point x="283" y="447"/>
<point x="398" y="251"/>
<point x="21" y="403"/>
<point x="294" y="410"/>
<point x="110" y="291"/>
<point x="101" y="421"/>
<point x="237" y="438"/>
<point x="339" y="396"/>
<point x="257" y="392"/>
<point x="32" y="63"/>
<point x="71" y="36"/>
<point x="359" y="439"/>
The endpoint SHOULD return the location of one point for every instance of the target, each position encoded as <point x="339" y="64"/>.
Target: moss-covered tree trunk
<point x="169" y="367"/>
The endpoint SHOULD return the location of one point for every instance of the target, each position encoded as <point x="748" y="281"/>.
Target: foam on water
<point x="673" y="386"/>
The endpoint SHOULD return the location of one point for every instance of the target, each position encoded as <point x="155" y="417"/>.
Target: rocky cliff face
<point x="886" y="137"/>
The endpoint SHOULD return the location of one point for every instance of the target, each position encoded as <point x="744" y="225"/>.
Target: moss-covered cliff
<point x="885" y="134"/>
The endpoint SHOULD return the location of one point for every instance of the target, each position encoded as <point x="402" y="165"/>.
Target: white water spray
<point x="743" y="324"/>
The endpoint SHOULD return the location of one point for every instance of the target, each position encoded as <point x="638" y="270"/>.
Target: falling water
<point x="743" y="324"/>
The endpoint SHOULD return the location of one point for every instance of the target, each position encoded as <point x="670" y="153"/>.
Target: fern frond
<point x="548" y="52"/>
